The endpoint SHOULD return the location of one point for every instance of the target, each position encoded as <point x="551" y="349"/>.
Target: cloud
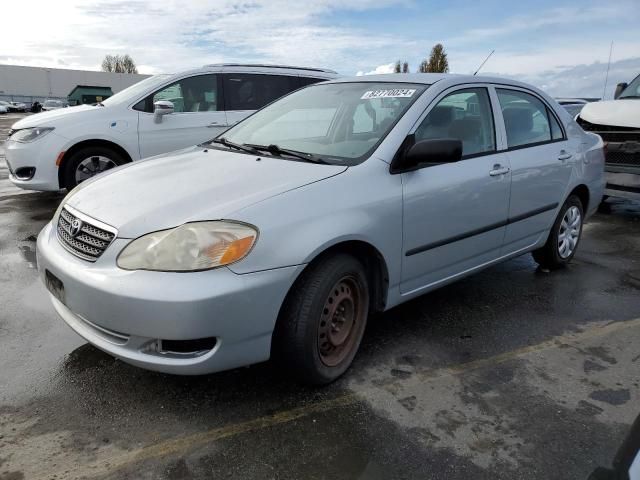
<point x="562" y="48"/>
<point x="192" y="33"/>
<point x="386" y="68"/>
<point x="585" y="80"/>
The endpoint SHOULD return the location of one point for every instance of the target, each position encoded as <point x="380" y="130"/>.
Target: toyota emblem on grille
<point x="76" y="226"/>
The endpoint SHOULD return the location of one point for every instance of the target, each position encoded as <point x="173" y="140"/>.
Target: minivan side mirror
<point x="427" y="153"/>
<point x="619" y="89"/>
<point x="160" y="108"/>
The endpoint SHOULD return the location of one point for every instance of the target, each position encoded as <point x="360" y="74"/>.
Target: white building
<point x="28" y="84"/>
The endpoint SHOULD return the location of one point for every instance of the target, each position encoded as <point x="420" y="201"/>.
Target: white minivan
<point x="61" y="148"/>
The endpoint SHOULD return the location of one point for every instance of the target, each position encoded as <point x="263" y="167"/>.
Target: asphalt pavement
<point x="511" y="373"/>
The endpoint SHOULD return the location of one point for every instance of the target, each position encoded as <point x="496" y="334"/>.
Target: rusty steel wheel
<point x="341" y="321"/>
<point x="323" y="320"/>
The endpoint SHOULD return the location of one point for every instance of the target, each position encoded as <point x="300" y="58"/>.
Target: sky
<point x="561" y="46"/>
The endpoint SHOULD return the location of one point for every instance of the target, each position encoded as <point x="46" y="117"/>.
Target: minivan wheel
<point x="323" y="320"/>
<point x="564" y="237"/>
<point x="88" y="162"/>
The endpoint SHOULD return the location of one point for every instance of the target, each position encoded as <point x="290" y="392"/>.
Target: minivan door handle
<point x="499" y="170"/>
<point x="217" y="124"/>
<point x="564" y="155"/>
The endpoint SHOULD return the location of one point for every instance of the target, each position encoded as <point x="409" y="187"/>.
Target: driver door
<point x="455" y="213"/>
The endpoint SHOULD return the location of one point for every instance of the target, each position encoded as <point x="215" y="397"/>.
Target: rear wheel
<point x="323" y="320"/>
<point x="89" y="162"/>
<point x="564" y="237"/>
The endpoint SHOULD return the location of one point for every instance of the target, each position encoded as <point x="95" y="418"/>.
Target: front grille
<point x="623" y="158"/>
<point x="88" y="243"/>
<point x="623" y="143"/>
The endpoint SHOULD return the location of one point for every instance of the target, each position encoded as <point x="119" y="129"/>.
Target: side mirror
<point x="619" y="89"/>
<point x="161" y="108"/>
<point x="429" y="152"/>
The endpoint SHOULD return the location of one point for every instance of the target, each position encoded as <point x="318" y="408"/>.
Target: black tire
<point x="71" y="164"/>
<point x="306" y="331"/>
<point x="549" y="256"/>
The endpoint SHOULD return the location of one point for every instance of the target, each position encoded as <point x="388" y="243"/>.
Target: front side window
<point x="246" y="91"/>
<point x="341" y="122"/>
<point x="191" y="94"/>
<point x="465" y="115"/>
<point x="526" y="119"/>
<point x="633" y="90"/>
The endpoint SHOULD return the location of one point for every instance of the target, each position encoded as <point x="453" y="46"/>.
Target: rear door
<point x="455" y="213"/>
<point x="541" y="161"/>
<point x="197" y="117"/>
<point x="244" y="93"/>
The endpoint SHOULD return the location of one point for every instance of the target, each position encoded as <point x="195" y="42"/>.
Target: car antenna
<point x="482" y="64"/>
<point x="606" y="78"/>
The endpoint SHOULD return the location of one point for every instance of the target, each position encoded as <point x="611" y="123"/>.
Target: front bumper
<point x="125" y="312"/>
<point x="623" y="183"/>
<point x="41" y="155"/>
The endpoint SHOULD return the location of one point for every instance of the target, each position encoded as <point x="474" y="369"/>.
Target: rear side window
<point x="556" y="131"/>
<point x="527" y="119"/>
<point x="465" y="115"/>
<point x="247" y="91"/>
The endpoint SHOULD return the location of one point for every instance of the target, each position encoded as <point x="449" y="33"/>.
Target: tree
<point x="119" y="64"/>
<point x="401" y="67"/>
<point x="437" y="62"/>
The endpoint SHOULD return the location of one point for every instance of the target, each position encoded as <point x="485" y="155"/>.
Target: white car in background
<point x="3" y="108"/>
<point x="49" y="105"/>
<point x="618" y="123"/>
<point x="17" y="107"/>
<point x="60" y="149"/>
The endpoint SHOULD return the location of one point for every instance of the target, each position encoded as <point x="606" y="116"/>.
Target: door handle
<point x="499" y="170"/>
<point x="217" y="124"/>
<point x="564" y="155"/>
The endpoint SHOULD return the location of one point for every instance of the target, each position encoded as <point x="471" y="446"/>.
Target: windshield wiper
<point x="237" y="146"/>
<point x="628" y="96"/>
<point x="276" y="150"/>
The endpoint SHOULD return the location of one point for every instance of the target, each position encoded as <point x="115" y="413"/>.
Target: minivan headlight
<point x="26" y="135"/>
<point x="190" y="247"/>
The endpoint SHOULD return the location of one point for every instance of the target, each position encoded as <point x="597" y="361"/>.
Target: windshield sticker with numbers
<point x="393" y="93"/>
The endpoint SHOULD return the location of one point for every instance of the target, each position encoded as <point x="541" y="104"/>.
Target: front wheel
<point x="89" y="162"/>
<point x="564" y="237"/>
<point x="323" y="320"/>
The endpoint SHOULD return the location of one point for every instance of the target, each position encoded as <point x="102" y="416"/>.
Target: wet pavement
<point x="511" y="373"/>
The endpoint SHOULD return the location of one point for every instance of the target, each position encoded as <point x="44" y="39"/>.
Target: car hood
<point x="190" y="185"/>
<point x="615" y="113"/>
<point x="44" y="119"/>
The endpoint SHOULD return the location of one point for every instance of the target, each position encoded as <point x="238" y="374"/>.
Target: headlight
<point x="190" y="247"/>
<point x="26" y="135"/>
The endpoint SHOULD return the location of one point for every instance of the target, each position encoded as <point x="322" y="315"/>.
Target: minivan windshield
<point x="136" y="89"/>
<point x="336" y="122"/>
<point x="633" y="90"/>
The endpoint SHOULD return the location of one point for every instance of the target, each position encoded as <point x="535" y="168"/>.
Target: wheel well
<point x="582" y="192"/>
<point x="89" y="143"/>
<point x="373" y="262"/>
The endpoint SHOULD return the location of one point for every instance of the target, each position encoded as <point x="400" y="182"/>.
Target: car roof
<point x="430" y="78"/>
<point x="261" y="69"/>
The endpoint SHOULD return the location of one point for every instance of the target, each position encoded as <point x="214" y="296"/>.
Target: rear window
<point x="247" y="91"/>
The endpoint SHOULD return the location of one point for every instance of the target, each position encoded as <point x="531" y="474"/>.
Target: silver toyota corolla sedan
<point x="280" y="237"/>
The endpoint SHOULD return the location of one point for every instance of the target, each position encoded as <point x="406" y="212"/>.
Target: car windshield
<point x="136" y="89"/>
<point x="632" y="90"/>
<point x="53" y="103"/>
<point x="337" y="122"/>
